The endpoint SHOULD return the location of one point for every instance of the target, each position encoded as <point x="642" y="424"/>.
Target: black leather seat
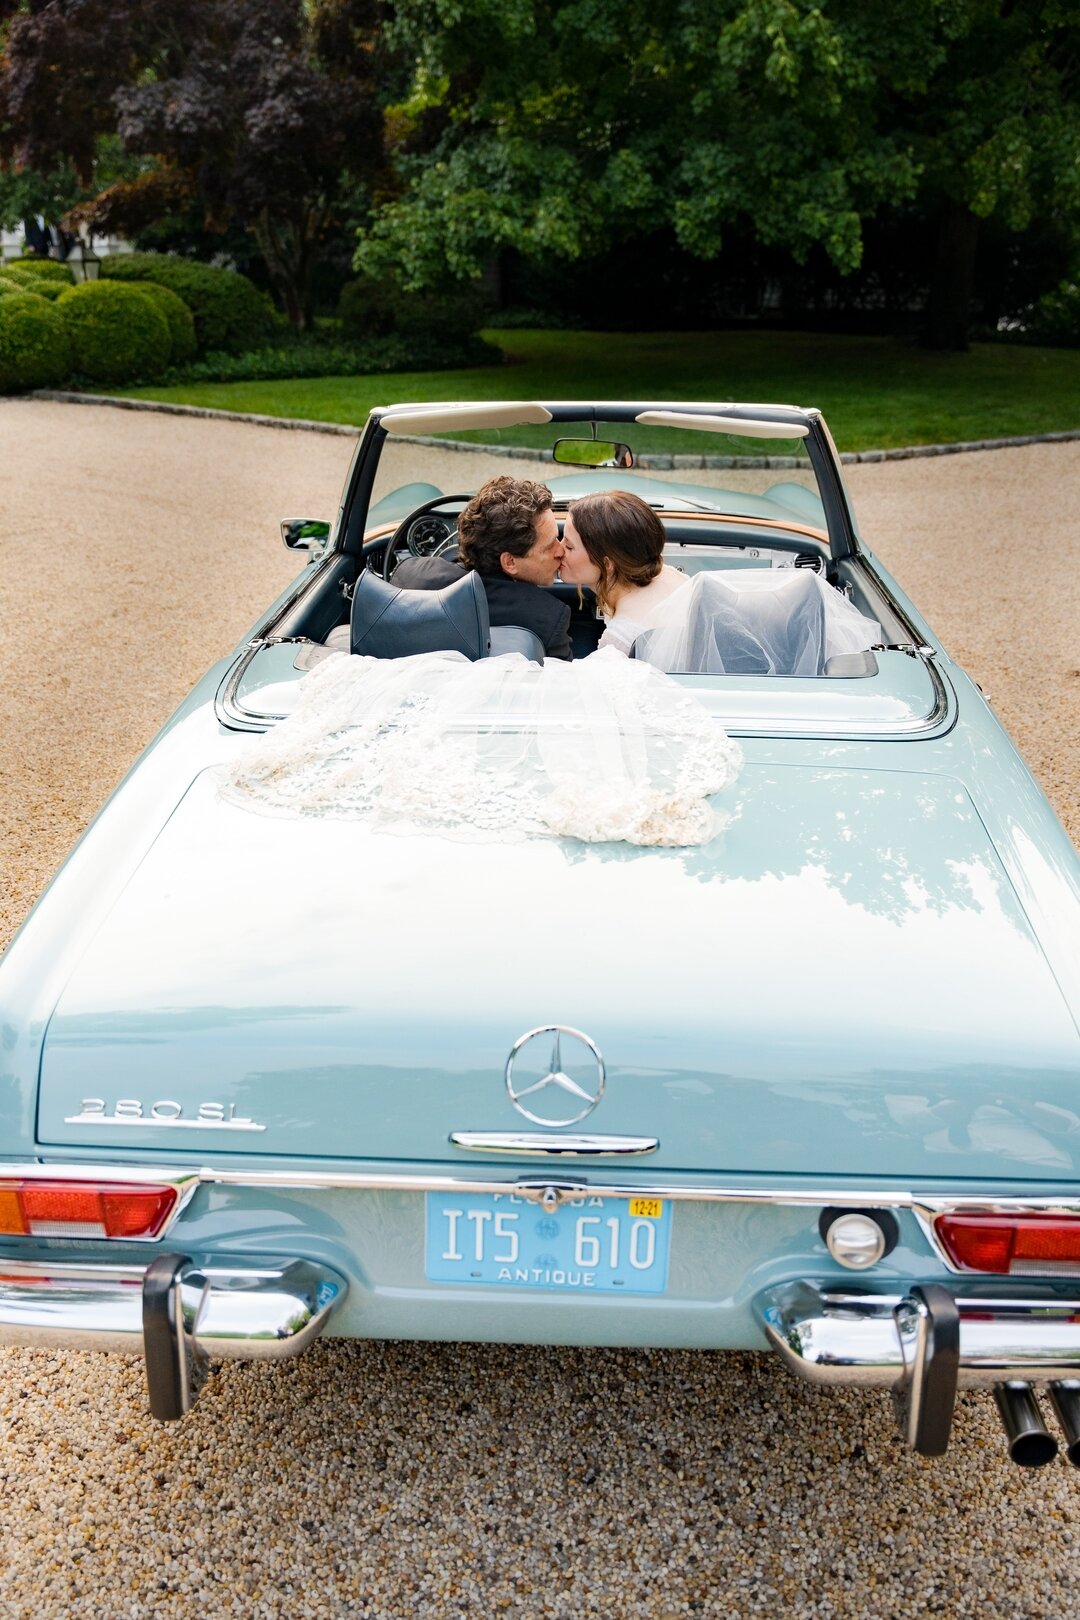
<point x="390" y="622"/>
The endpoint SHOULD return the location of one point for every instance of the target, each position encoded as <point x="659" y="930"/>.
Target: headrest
<point x="514" y="638"/>
<point x="388" y="622"/>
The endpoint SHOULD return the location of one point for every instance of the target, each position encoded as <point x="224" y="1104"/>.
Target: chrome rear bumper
<point x="839" y="1336"/>
<point x="177" y="1314"/>
<point x="926" y="1343"/>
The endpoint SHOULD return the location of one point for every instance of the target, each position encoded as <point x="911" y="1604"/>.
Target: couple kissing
<point x="612" y="542"/>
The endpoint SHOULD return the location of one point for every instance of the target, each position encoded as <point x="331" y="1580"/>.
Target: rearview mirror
<point x="305" y="534"/>
<point x="592" y="453"/>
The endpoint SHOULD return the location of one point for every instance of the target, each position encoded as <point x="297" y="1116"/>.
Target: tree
<point x="59" y="192"/>
<point x="566" y="127"/>
<point x="256" y="110"/>
<point x="993" y="119"/>
<point x="26" y="192"/>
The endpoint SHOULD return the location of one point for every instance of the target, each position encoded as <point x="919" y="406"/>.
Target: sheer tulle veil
<point x="755" y="621"/>
<point x="604" y="749"/>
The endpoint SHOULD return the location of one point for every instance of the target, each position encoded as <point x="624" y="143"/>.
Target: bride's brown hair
<point x="623" y="538"/>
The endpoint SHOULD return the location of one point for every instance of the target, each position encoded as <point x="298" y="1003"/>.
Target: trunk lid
<point x="844" y="984"/>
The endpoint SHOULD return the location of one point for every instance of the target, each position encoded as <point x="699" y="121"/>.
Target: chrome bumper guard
<point x="179" y="1315"/>
<point x="923" y="1344"/>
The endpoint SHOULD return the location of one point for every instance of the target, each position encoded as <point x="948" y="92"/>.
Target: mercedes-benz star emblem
<point x="570" y="1065"/>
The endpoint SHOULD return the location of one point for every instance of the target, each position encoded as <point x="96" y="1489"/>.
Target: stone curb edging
<point x="523" y="453"/>
<point x="62" y="397"/>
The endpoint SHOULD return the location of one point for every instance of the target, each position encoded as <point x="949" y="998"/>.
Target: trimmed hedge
<point x="179" y="318"/>
<point x="34" y="347"/>
<point x="39" y="286"/>
<point x="117" y="334"/>
<point x="311" y="358"/>
<point x="231" y="314"/>
<point x="40" y="270"/>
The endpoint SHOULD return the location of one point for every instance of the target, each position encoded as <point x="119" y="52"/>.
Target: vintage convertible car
<point x="811" y="1086"/>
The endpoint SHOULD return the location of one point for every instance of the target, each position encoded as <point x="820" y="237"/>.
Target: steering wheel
<point x="402" y="539"/>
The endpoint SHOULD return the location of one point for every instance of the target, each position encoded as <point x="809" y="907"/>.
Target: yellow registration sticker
<point x="651" y="1208"/>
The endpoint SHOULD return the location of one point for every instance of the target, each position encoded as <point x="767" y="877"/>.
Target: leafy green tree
<point x="60" y="192"/>
<point x="562" y="128"/>
<point x="24" y="193"/>
<point x="257" y="110"/>
<point x="991" y="114"/>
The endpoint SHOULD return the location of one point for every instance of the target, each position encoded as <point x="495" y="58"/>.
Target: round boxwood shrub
<point x="180" y="320"/>
<point x="42" y="286"/>
<point x="231" y="314"/>
<point x="34" y="347"/>
<point x="117" y="334"/>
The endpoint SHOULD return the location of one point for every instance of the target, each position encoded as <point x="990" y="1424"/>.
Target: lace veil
<point x="602" y="749"/>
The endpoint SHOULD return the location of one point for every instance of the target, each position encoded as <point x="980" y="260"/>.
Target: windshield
<point x="675" y="469"/>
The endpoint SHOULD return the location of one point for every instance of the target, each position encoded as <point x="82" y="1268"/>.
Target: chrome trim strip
<point x="536" y="1186"/>
<point x="257" y="1309"/>
<point x="227" y="706"/>
<point x="554" y="1146"/>
<point x="85" y="1170"/>
<point x="829" y="1336"/>
<point x="926" y="1205"/>
<point x="938" y="717"/>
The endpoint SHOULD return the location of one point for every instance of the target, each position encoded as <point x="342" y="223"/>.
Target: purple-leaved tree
<point x="261" y="112"/>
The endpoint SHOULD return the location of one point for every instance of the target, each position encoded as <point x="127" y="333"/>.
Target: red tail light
<point x="83" y="1209"/>
<point x="1017" y="1244"/>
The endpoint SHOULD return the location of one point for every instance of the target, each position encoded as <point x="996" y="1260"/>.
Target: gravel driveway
<point x="389" y="1479"/>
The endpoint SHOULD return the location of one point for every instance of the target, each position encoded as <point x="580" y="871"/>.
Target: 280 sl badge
<point x="207" y="1116"/>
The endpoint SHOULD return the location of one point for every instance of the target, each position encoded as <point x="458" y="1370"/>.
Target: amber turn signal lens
<point x="1002" y="1244"/>
<point x="11" y="1219"/>
<point x="83" y="1209"/>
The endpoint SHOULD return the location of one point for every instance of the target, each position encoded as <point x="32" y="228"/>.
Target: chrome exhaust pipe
<point x="1065" y="1399"/>
<point x="1030" y="1445"/>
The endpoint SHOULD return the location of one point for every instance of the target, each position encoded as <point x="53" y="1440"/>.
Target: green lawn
<point x="875" y="392"/>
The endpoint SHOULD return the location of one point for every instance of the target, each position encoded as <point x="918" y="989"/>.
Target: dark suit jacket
<point x="510" y="601"/>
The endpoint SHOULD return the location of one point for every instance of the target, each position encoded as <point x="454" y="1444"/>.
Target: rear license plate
<point x="588" y="1245"/>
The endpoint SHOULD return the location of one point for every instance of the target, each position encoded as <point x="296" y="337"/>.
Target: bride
<point x="728" y="621"/>
<point x="613" y="542"/>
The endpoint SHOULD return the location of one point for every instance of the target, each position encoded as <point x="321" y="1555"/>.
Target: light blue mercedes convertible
<point x="806" y="1082"/>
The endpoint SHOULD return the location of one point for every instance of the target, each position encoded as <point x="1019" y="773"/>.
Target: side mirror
<point x="305" y="534"/>
<point x="592" y="453"/>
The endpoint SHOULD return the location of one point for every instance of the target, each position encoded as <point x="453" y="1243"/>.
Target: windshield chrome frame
<point x="821" y="454"/>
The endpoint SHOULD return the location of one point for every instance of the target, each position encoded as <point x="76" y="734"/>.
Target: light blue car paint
<point x="871" y="981"/>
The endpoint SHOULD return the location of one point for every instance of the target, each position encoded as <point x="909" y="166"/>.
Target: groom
<point x="509" y="535"/>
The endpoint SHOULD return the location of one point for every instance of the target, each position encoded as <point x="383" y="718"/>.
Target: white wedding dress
<point x="604" y="749"/>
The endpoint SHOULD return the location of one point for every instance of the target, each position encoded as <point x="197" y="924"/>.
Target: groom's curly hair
<point x="500" y="517"/>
